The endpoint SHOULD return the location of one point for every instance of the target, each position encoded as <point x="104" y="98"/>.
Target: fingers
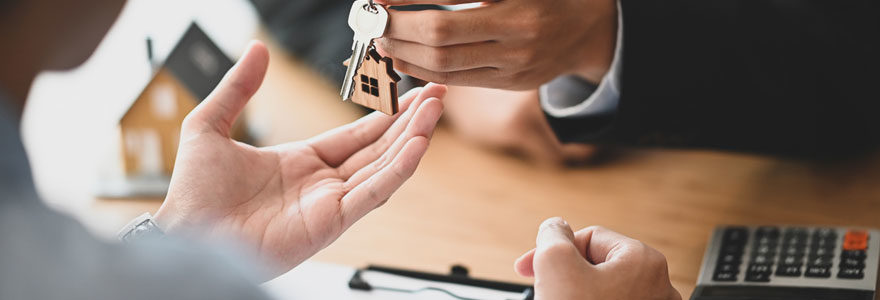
<point x="219" y="110"/>
<point x="443" y="59"/>
<point x="604" y="245"/>
<point x="523" y="265"/>
<point x="338" y="144"/>
<point x="554" y="232"/>
<point x="379" y="187"/>
<point x="394" y="134"/>
<point x="466" y="77"/>
<point x="556" y="255"/>
<point x="422" y="124"/>
<point x="558" y="251"/>
<point x="443" y="28"/>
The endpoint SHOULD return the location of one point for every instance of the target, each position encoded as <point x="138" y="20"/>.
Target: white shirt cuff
<point x="564" y="96"/>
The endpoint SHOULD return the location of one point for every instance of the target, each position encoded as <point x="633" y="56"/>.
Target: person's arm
<point x="571" y="96"/>
<point x="594" y="263"/>
<point x="781" y="77"/>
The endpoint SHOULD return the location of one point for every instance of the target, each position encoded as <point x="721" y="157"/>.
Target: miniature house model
<point x="375" y="84"/>
<point x="150" y="129"/>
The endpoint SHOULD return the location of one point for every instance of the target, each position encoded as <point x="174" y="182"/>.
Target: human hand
<point x="594" y="263"/>
<point x="511" y="121"/>
<point x="509" y="44"/>
<point x="289" y="201"/>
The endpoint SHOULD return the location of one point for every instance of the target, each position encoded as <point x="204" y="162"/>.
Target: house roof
<point x="197" y="62"/>
<point x="389" y="64"/>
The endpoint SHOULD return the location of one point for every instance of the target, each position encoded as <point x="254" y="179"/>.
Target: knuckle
<point x="658" y="261"/>
<point x="437" y="29"/>
<point x="529" y="24"/>
<point x="401" y="171"/>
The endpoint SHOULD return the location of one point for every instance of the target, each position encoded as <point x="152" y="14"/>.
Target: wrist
<point x="599" y="46"/>
<point x="167" y="218"/>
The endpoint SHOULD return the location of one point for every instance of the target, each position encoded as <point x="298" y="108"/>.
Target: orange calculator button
<point x="855" y="240"/>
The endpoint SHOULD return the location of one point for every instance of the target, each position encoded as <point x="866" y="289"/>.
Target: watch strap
<point x="141" y="228"/>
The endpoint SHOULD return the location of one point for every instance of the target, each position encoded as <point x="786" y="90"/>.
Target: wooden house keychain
<point x="370" y="79"/>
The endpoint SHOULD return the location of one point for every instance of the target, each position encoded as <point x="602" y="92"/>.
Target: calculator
<point x="789" y="263"/>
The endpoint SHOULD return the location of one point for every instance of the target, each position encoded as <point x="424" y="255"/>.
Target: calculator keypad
<point x="790" y="253"/>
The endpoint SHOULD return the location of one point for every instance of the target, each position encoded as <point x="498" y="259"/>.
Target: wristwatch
<point x="141" y="228"/>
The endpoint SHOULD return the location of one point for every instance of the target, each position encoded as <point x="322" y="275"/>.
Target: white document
<point x="315" y="281"/>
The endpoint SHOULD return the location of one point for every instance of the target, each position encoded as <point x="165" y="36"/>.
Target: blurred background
<point x="78" y="155"/>
<point x="101" y="140"/>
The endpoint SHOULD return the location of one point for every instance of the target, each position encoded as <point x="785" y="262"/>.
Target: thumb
<point x="554" y="232"/>
<point x="221" y="108"/>
<point x="556" y="252"/>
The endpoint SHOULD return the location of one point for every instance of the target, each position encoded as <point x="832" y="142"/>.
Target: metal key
<point x="368" y="22"/>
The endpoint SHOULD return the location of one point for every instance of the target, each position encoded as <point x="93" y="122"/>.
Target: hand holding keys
<point x="369" y="22"/>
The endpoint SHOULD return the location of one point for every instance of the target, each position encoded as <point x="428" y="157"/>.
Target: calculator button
<point x="795" y="236"/>
<point x="764" y="250"/>
<point x="818" y="271"/>
<point x="860" y="235"/>
<point x="724" y="276"/>
<point x="727" y="268"/>
<point x="762" y="259"/>
<point x="788" y="270"/>
<point x="823" y="244"/>
<point x="766" y="241"/>
<point x="732" y="249"/>
<point x="793" y="250"/>
<point x="855" y="245"/>
<point x="791" y="260"/>
<point x="852" y="263"/>
<point x="824" y="262"/>
<point x="759" y="268"/>
<point x="822" y="252"/>
<point x="825" y="233"/>
<point x="735" y="235"/>
<point x="855" y="254"/>
<point x="855" y="240"/>
<point x="730" y="259"/>
<point x="767" y="231"/>
<point x="758" y="277"/>
<point x="851" y="274"/>
<point x="758" y="273"/>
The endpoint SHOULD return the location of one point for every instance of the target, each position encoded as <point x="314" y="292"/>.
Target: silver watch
<point x="141" y="228"/>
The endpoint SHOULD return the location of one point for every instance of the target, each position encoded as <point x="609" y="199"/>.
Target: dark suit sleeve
<point x="797" y="78"/>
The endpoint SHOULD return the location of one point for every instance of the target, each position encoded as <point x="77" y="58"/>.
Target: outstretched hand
<point x="289" y="201"/>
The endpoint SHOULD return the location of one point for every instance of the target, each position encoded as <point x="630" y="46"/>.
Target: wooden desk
<point x="482" y="209"/>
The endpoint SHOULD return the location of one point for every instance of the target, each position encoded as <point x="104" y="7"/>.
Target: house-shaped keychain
<point x="375" y="83"/>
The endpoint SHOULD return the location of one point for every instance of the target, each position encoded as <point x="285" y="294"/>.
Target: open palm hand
<point x="289" y="201"/>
